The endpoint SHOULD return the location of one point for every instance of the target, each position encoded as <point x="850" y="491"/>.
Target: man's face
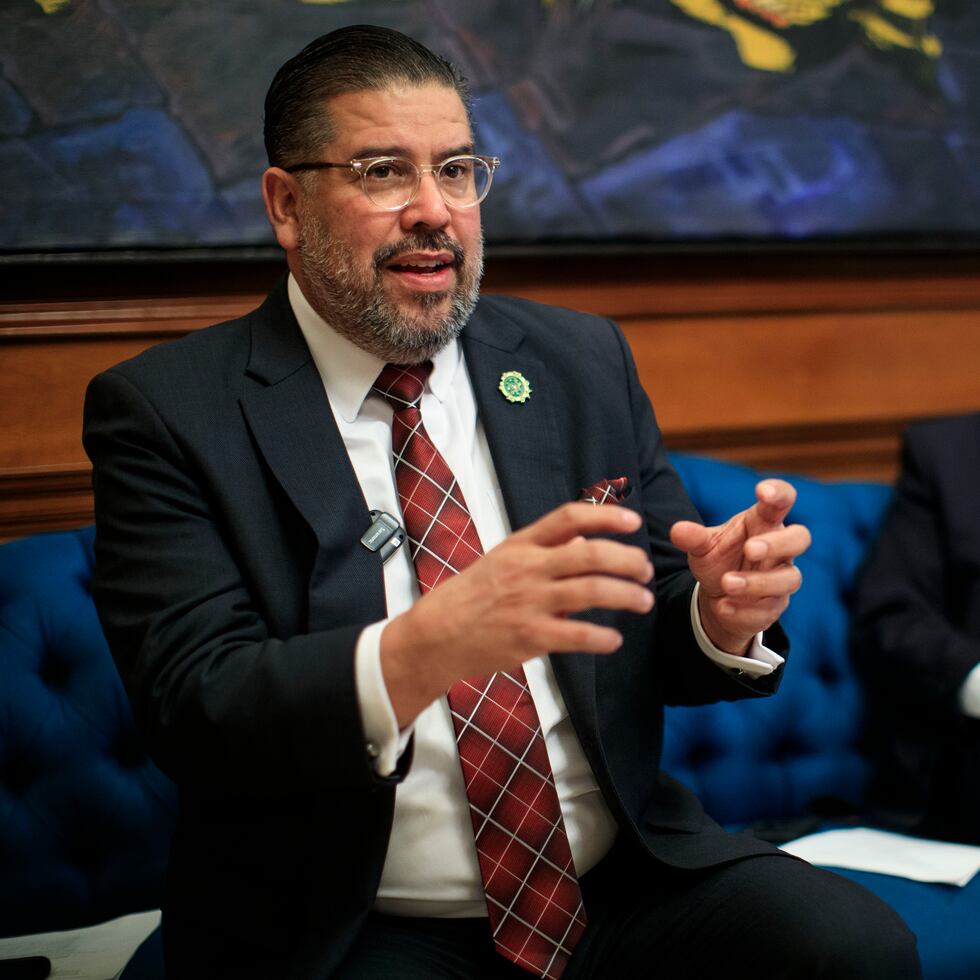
<point x="399" y="284"/>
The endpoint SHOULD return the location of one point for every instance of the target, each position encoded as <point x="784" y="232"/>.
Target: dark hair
<point x="351" y="59"/>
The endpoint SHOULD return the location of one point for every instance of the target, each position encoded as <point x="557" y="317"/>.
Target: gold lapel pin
<point x="514" y="386"/>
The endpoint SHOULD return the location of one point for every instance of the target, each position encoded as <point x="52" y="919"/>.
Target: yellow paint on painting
<point x="791" y="13"/>
<point x="885" y="35"/>
<point x="52" y="6"/>
<point x="912" y="9"/>
<point x="757" y="47"/>
<point x="760" y="48"/>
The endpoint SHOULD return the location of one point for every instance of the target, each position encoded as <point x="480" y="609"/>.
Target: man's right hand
<point x="513" y="604"/>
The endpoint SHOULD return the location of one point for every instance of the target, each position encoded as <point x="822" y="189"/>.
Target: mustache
<point x="432" y="241"/>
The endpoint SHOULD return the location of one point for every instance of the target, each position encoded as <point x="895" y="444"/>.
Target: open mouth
<point x="423" y="265"/>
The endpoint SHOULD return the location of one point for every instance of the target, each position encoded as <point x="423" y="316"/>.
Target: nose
<point x="428" y="208"/>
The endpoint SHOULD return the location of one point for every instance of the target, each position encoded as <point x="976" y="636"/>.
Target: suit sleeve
<point x="225" y="707"/>
<point x="906" y="639"/>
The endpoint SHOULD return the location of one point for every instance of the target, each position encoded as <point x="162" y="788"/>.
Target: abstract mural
<point x="137" y="125"/>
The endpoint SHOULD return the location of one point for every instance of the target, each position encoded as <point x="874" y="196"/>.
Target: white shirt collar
<point x="348" y="372"/>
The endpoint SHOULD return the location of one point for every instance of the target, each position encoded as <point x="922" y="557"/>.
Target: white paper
<point x="96" y="953"/>
<point x="865" y="849"/>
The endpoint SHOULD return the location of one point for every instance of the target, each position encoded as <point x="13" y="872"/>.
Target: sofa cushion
<point x="943" y="917"/>
<point x="85" y="817"/>
<point x="774" y="762"/>
<point x="788" y="756"/>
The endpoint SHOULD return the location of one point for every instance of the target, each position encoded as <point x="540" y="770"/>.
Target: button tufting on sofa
<point x="55" y="672"/>
<point x="787" y="761"/>
<point x="85" y="818"/>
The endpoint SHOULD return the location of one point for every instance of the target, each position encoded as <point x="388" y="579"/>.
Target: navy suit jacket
<point x="232" y="587"/>
<point x="917" y="635"/>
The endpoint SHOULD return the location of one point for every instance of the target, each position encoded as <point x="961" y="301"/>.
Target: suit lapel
<point x="290" y="417"/>
<point x="528" y="455"/>
<point x="524" y="439"/>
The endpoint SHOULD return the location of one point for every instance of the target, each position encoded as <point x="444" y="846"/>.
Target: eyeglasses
<point x="391" y="183"/>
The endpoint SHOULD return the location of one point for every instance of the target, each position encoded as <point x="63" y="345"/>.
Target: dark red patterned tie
<point x="533" y="897"/>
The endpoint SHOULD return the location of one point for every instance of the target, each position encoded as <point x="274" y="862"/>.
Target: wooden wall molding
<point x="789" y="363"/>
<point x="44" y="499"/>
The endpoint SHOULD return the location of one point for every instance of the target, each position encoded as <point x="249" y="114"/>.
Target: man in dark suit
<point x="306" y="689"/>
<point x="917" y="636"/>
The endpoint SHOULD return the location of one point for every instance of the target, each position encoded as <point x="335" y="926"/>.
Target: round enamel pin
<point x="514" y="386"/>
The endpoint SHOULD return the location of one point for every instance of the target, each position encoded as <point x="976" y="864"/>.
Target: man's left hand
<point x="745" y="566"/>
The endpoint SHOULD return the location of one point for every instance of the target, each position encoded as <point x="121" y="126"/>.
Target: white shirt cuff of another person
<point x="757" y="662"/>
<point x="385" y="743"/>
<point x="970" y="694"/>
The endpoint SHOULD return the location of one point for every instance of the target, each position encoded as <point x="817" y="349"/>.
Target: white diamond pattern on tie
<point x="533" y="898"/>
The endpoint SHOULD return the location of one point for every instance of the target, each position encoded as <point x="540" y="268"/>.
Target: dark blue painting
<point x="137" y="125"/>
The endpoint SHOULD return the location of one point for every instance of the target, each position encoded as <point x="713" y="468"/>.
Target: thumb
<point x="693" y="538"/>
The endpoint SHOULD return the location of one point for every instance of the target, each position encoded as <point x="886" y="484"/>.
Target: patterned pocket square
<point x="606" y="491"/>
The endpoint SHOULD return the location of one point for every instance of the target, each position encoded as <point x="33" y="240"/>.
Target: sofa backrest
<point x="85" y="817"/>
<point x="780" y="758"/>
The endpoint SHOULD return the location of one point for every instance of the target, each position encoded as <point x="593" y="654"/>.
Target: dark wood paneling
<point x="799" y="363"/>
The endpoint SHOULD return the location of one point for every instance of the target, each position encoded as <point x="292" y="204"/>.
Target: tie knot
<point x="401" y="385"/>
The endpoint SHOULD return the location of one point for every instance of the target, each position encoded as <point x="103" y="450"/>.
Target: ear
<point x="281" y="191"/>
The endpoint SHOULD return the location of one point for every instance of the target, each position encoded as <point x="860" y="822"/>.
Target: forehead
<point x="415" y="120"/>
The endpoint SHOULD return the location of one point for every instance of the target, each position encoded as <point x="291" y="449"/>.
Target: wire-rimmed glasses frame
<point x="463" y="180"/>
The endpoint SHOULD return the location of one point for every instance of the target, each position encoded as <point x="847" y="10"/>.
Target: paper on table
<point x="96" y="953"/>
<point x="865" y="849"/>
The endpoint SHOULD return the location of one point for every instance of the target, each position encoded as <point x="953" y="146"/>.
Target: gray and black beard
<point x="358" y="308"/>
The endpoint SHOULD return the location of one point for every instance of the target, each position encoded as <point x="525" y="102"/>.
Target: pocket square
<point x="605" y="491"/>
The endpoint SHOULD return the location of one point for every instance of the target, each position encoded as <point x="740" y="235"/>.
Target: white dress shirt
<point x="431" y="866"/>
<point x="970" y="694"/>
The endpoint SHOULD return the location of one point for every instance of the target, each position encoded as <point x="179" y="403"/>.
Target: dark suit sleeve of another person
<point x="917" y="623"/>
<point x="917" y="637"/>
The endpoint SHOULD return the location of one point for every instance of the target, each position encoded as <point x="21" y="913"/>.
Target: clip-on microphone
<point x="385" y="535"/>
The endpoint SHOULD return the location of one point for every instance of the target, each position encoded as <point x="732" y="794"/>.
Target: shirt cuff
<point x="384" y="743"/>
<point x="757" y="662"/>
<point x="970" y="694"/>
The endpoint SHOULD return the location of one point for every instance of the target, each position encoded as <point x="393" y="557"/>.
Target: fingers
<point x="774" y="499"/>
<point x="576" y="519"/>
<point x="596" y="573"/>
<point x="576" y="636"/>
<point x="745" y="566"/>
<point x="556" y="635"/>
<point x="582" y="556"/>
<point x="781" y="545"/>
<point x="769" y="569"/>
<point x="583" y="592"/>
<point x="781" y="581"/>
<point x="764" y="544"/>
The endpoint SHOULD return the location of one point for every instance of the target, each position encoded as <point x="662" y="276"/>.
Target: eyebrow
<point x="367" y="152"/>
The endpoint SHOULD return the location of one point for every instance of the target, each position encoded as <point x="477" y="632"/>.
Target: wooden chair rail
<point x="810" y="364"/>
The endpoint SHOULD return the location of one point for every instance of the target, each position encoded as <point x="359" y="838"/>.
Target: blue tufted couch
<point x="85" y="817"/>
<point x="786" y="764"/>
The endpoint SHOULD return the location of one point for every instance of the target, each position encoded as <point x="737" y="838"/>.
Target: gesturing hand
<point x="745" y="566"/>
<point x="514" y="602"/>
